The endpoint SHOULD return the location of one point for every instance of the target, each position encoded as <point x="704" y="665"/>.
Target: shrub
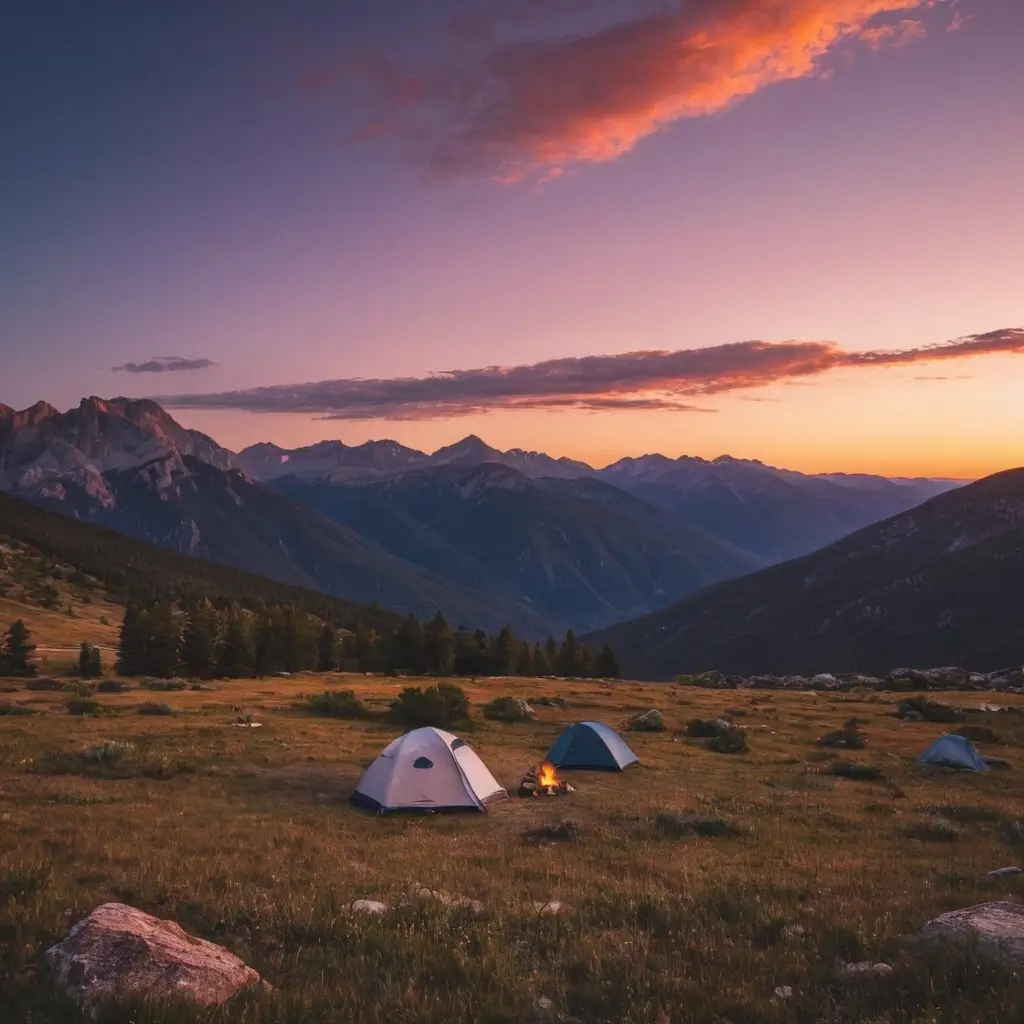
<point x="861" y="772"/>
<point x="508" y="709"/>
<point x="921" y="708"/>
<point x="154" y="707"/>
<point x="978" y="734"/>
<point x="647" y="721"/>
<point x="111" y="686"/>
<point x="729" y="741"/>
<point x="6" y="708"/>
<point x="164" y="685"/>
<point x="44" y="683"/>
<point x="109" y="753"/>
<point x="440" y="705"/>
<point x="82" y="706"/>
<point x="938" y="830"/>
<point x="671" y="823"/>
<point x="336" y="704"/>
<point x="849" y="737"/>
<point x="567" y="831"/>
<point x="698" y="728"/>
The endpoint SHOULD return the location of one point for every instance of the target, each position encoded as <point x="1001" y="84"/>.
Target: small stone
<point x="992" y="876"/>
<point x="544" y="1004"/>
<point x="866" y="969"/>
<point x="553" y="908"/>
<point x="783" y="992"/>
<point x="794" y="931"/>
<point x="372" y="907"/>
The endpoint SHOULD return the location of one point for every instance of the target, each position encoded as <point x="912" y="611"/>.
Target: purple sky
<point x="212" y="198"/>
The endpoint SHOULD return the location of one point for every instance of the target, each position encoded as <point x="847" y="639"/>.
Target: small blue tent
<point x="954" y="751"/>
<point x="591" y="745"/>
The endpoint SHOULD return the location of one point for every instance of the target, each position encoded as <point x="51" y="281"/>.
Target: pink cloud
<point x="631" y="381"/>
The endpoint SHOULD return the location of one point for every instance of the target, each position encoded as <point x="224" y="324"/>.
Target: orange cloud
<point x="534" y="105"/>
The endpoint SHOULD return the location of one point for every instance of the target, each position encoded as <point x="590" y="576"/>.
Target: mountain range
<point x="941" y="584"/>
<point x="487" y="536"/>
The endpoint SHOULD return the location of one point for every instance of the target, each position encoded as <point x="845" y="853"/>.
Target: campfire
<point x="543" y="780"/>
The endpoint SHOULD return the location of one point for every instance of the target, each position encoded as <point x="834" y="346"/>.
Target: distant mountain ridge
<point x="940" y="584"/>
<point x="487" y="536"/>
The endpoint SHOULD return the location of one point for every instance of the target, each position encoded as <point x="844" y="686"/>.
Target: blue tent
<point x="954" y="751"/>
<point x="591" y="745"/>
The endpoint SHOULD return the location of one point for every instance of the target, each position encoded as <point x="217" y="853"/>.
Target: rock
<point x="992" y="876"/>
<point x="426" y="895"/>
<point x="997" y="927"/>
<point x="544" y="1004"/>
<point x="553" y="908"/>
<point x="783" y="992"/>
<point x="794" y="931"/>
<point x="372" y="907"/>
<point x="120" y="951"/>
<point x="862" y="970"/>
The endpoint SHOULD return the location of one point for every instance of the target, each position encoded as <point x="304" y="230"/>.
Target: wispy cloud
<point x="632" y="381"/>
<point x="524" y="108"/>
<point x="164" y="364"/>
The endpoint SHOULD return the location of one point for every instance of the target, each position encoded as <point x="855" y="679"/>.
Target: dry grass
<point x="245" y="836"/>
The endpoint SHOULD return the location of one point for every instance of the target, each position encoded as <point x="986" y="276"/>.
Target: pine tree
<point x="364" y="646"/>
<point x="90" y="664"/>
<point x="131" y="646"/>
<point x="607" y="664"/>
<point x="199" y="640"/>
<point x="327" y="649"/>
<point x="298" y="644"/>
<point x="16" y="656"/>
<point x="551" y="656"/>
<point x="439" y="647"/>
<point x="525" y="666"/>
<point x="163" y="641"/>
<point x="541" y="665"/>
<point x="506" y="652"/>
<point x="235" y="657"/>
<point x="409" y="647"/>
<point x="569" y="659"/>
<point x="266" y="643"/>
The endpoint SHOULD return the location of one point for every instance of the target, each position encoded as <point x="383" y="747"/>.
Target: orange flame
<point x="547" y="776"/>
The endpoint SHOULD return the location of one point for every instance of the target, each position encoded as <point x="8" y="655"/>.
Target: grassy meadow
<point x="245" y="837"/>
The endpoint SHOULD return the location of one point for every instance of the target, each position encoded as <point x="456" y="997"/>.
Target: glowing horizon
<point x="403" y="188"/>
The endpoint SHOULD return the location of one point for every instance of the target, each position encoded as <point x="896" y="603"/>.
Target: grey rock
<point x="992" y="876"/>
<point x="998" y="928"/>
<point x="374" y="908"/>
<point x="119" y="951"/>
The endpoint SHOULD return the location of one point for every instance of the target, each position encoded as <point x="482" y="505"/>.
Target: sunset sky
<point x="790" y="230"/>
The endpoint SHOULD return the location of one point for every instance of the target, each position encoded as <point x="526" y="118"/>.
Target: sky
<point x="790" y="230"/>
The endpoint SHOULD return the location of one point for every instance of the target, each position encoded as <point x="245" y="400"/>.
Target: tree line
<point x="198" y="639"/>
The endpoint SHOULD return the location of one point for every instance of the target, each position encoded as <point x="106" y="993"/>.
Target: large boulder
<point x="997" y="927"/>
<point x="118" y="951"/>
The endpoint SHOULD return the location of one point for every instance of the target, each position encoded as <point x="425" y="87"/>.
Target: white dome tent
<point x="427" y="770"/>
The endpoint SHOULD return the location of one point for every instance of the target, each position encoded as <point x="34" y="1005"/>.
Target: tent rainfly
<point x="427" y="770"/>
<point x="591" y="745"/>
<point x="954" y="751"/>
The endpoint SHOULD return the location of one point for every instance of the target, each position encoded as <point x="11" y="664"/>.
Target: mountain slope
<point x="576" y="551"/>
<point x="940" y="584"/>
<point x="124" y="567"/>
<point x="774" y="514"/>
